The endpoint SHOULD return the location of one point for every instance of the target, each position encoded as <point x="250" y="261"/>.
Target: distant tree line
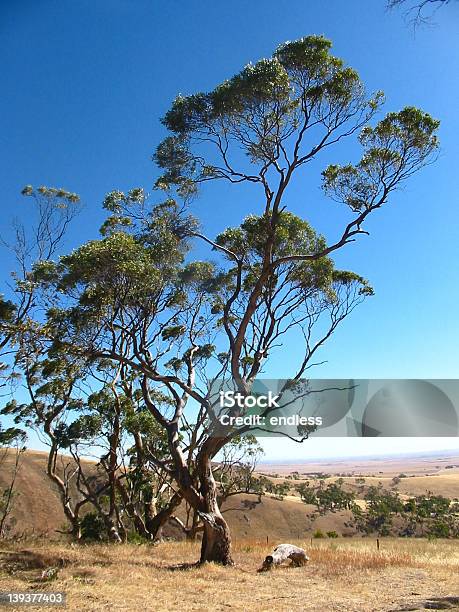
<point x="384" y="512"/>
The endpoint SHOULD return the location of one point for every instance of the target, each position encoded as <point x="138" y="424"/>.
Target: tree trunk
<point x="132" y="511"/>
<point x="9" y="494"/>
<point x="76" y="529"/>
<point x="156" y="523"/>
<point x="216" y="539"/>
<point x="113" y="532"/>
<point x="62" y="484"/>
<point x="192" y="532"/>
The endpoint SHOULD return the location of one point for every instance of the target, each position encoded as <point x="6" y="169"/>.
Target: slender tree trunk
<point x="63" y="487"/>
<point x="10" y="493"/>
<point x="156" y="523"/>
<point x="132" y="511"/>
<point x="76" y="530"/>
<point x="192" y="532"/>
<point x="114" y="525"/>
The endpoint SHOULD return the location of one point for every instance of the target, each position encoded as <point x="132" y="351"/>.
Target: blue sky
<point x="84" y="86"/>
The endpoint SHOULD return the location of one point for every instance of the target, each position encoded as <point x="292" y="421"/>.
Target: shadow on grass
<point x="442" y="603"/>
<point x="433" y="603"/>
<point x="30" y="559"/>
<point x="178" y="567"/>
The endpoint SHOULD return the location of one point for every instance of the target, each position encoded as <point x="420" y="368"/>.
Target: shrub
<point x="93" y="528"/>
<point x="136" y="538"/>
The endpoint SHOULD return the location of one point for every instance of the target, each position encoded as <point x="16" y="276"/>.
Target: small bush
<point x="318" y="533"/>
<point x="135" y="538"/>
<point x="332" y="534"/>
<point x="93" y="528"/>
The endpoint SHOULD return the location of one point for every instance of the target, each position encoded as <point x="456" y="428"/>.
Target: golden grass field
<point x="344" y="575"/>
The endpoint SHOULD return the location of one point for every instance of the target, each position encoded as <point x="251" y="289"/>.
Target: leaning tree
<point x="136" y="296"/>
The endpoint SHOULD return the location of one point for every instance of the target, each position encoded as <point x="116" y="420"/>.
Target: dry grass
<point x="344" y="575"/>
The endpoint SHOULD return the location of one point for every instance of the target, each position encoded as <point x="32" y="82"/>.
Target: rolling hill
<point x="38" y="509"/>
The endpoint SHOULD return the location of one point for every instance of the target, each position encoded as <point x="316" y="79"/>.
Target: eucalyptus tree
<point x="131" y="299"/>
<point x="12" y="441"/>
<point x="126" y="487"/>
<point x="281" y="113"/>
<point x="264" y="127"/>
<point x="100" y="440"/>
<point x="52" y="212"/>
<point x="51" y="385"/>
<point x="136" y="297"/>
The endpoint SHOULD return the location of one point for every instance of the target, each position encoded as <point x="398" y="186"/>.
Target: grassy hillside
<point x="38" y="509"/>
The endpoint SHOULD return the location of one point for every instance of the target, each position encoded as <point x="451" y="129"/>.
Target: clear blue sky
<point x="85" y="83"/>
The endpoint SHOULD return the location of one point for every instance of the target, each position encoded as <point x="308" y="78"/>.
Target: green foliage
<point x="395" y="148"/>
<point x="136" y="538"/>
<point x="292" y="236"/>
<point x="175" y="331"/>
<point x="201" y="276"/>
<point x="309" y="56"/>
<point x="381" y="507"/>
<point x="307" y="493"/>
<point x="346" y="278"/>
<point x="7" y="310"/>
<point x="260" y="108"/>
<point x="333" y="497"/>
<point x="84" y="429"/>
<point x="431" y="505"/>
<point x="10" y="435"/>
<point x="112" y="262"/>
<point x="57" y="194"/>
<point x="439" y="529"/>
<point x="431" y="515"/>
<point x="327" y="498"/>
<point x="93" y="528"/>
